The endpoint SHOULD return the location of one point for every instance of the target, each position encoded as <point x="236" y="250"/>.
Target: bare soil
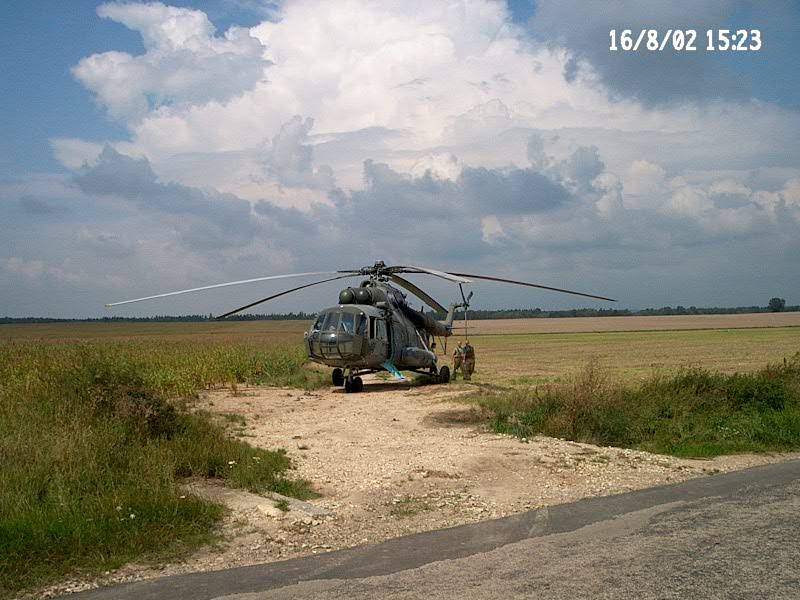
<point x="398" y="459"/>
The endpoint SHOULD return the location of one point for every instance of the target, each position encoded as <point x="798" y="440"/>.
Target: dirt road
<point x="397" y="459"/>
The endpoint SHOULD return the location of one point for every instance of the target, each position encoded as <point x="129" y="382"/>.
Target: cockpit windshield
<point x="326" y="322"/>
<point x="347" y="323"/>
<point x="341" y="322"/>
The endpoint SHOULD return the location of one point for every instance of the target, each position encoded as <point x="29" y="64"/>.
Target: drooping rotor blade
<point x="220" y="285"/>
<point x="283" y="293"/>
<point x="534" y="285"/>
<point x="442" y="274"/>
<point x="422" y="295"/>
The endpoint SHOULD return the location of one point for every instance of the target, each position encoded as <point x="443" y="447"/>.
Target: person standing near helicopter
<point x="468" y="360"/>
<point x="457" y="360"/>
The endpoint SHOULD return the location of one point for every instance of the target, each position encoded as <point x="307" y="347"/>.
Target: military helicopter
<point x="373" y="328"/>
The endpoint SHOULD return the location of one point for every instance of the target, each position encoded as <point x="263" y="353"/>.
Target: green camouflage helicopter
<point x="373" y="328"/>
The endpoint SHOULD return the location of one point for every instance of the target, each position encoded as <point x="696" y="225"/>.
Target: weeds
<point x="408" y="506"/>
<point x="93" y="437"/>
<point x="692" y="413"/>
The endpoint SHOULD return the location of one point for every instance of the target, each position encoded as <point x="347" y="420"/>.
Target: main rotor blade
<point x="534" y="285"/>
<point x="449" y="276"/>
<point x="220" y="285"/>
<point x="422" y="295"/>
<point x="279" y="294"/>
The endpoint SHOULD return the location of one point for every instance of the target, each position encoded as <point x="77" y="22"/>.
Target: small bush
<point x="691" y="413"/>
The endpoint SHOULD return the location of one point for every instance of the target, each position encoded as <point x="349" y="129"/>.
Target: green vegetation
<point x="408" y="506"/>
<point x="693" y="412"/>
<point x="94" y="437"/>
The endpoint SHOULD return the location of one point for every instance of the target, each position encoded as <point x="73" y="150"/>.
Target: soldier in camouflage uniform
<point x="457" y="360"/>
<point x="468" y="353"/>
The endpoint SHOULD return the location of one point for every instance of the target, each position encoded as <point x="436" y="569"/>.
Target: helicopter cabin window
<point x="380" y="329"/>
<point x="361" y="325"/>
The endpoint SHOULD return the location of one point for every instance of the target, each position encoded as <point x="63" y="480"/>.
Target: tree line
<point x="774" y="305"/>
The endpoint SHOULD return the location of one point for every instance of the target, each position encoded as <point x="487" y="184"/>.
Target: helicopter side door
<point x="379" y="337"/>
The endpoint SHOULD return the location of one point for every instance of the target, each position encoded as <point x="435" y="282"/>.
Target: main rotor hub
<point x="377" y="271"/>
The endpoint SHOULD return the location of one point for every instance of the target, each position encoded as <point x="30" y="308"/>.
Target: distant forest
<point x="507" y="313"/>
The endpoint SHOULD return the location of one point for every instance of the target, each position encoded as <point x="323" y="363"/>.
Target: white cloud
<point x="184" y="61"/>
<point x="442" y="165"/>
<point x="491" y="229"/>
<point x="645" y="185"/>
<point x="75" y="153"/>
<point x="31" y="269"/>
<point x="791" y="193"/>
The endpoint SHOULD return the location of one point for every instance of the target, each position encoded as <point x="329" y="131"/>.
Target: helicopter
<point x="373" y="328"/>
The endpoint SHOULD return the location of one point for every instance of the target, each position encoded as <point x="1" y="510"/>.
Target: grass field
<point x="95" y="436"/>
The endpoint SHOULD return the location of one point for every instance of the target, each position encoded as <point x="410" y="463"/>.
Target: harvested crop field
<point x="656" y="323"/>
<point x="280" y="331"/>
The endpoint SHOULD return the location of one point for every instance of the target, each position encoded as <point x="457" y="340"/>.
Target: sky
<point x="148" y="147"/>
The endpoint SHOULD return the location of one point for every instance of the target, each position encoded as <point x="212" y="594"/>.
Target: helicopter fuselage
<point x="374" y="329"/>
<point x="363" y="338"/>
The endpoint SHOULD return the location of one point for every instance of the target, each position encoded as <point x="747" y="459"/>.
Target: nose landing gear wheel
<point x="337" y="377"/>
<point x="444" y="375"/>
<point x="353" y="385"/>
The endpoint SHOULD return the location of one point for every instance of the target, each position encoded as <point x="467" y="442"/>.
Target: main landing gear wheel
<point x="338" y="377"/>
<point x="354" y="385"/>
<point x="444" y="375"/>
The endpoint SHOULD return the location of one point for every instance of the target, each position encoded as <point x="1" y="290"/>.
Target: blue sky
<point x="619" y="171"/>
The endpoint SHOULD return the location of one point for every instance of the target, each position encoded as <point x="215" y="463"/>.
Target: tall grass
<point x="94" y="438"/>
<point x="694" y="412"/>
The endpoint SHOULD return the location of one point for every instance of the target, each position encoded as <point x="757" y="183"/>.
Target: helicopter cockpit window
<point x="347" y="323"/>
<point x="318" y="323"/>
<point x="331" y="322"/>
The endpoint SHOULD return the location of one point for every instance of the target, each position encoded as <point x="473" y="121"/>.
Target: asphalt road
<point x="727" y="536"/>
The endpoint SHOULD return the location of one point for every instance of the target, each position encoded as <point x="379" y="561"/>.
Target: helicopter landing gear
<point x="444" y="375"/>
<point x="337" y="377"/>
<point x="353" y="385"/>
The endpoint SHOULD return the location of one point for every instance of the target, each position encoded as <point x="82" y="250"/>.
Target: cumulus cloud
<point x="184" y="61"/>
